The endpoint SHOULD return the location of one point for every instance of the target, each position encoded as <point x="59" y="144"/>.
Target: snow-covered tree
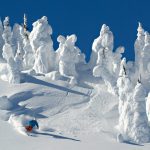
<point x="29" y="55"/>
<point x="14" y="72"/>
<point x="145" y="58"/>
<point x="7" y="34"/>
<point x="148" y="106"/>
<point x="81" y="65"/>
<point x="117" y="55"/>
<point x="1" y="38"/>
<point x="103" y="43"/>
<point x="17" y="37"/>
<point x="69" y="56"/>
<point x="28" y="58"/>
<point x="124" y="90"/>
<point x="133" y="123"/>
<point x="19" y="58"/>
<point x="61" y="40"/>
<point x="25" y="26"/>
<point x="64" y="43"/>
<point x="106" y="63"/>
<point x="7" y="52"/>
<point x="13" y="69"/>
<point x="42" y="45"/>
<point x="124" y="85"/>
<point x="140" y="131"/>
<point x="138" y="46"/>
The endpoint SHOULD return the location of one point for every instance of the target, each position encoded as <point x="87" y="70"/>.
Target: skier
<point x="31" y="125"/>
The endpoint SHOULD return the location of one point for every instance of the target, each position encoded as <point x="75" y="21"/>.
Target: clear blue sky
<point x="84" y="18"/>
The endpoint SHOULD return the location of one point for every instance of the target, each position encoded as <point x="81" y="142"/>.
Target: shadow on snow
<point x="31" y="79"/>
<point x="56" y="136"/>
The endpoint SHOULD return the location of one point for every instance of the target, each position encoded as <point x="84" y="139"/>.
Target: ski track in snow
<point x="69" y="114"/>
<point x="21" y="100"/>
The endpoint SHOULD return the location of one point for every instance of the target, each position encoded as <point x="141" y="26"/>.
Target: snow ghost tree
<point x="61" y="39"/>
<point x="103" y="43"/>
<point x="148" y="106"/>
<point x="28" y="58"/>
<point x="19" y="58"/>
<point x="7" y="34"/>
<point x="25" y="33"/>
<point x="117" y="55"/>
<point x="66" y="46"/>
<point x="138" y="46"/>
<point x="42" y="45"/>
<point x="69" y="56"/>
<point x="106" y="63"/>
<point x="7" y="52"/>
<point x="14" y="72"/>
<point x="81" y="65"/>
<point x="145" y="63"/>
<point x="1" y="39"/>
<point x="142" y="57"/>
<point x="13" y="69"/>
<point x="124" y="90"/>
<point x="17" y="38"/>
<point x="140" y="130"/>
<point x="25" y="26"/>
<point x="133" y="122"/>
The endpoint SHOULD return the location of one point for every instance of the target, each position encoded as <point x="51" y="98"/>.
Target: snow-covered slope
<point x="76" y="104"/>
<point x="70" y="117"/>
